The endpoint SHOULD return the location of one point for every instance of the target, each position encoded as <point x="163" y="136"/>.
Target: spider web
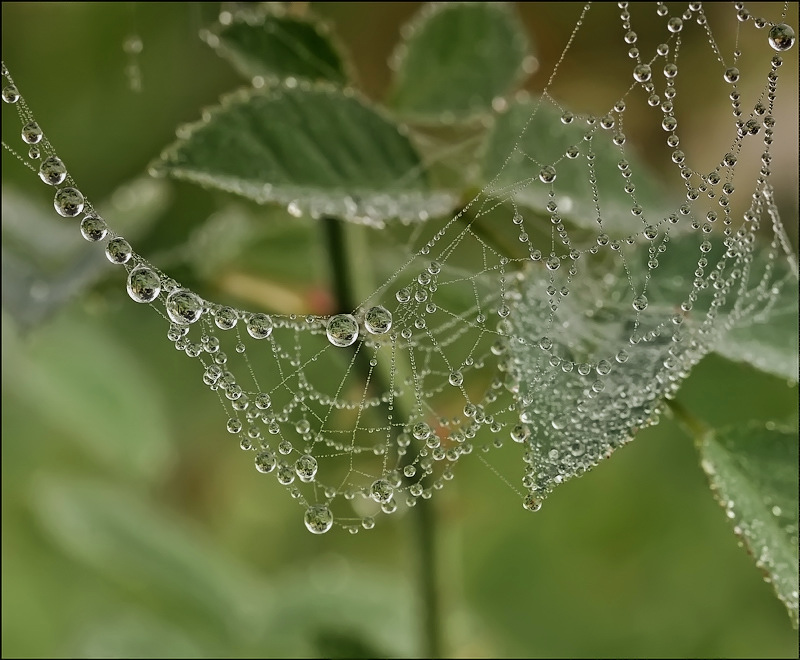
<point x="495" y="330"/>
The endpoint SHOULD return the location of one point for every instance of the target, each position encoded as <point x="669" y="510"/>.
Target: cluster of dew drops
<point x="185" y="308"/>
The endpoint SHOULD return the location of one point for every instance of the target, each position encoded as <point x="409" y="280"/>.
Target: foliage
<point x="83" y="498"/>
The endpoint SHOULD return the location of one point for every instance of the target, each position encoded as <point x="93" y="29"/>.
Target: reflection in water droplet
<point x="342" y="330"/>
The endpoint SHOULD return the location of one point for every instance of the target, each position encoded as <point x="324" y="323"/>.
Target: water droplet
<point x="52" y="171"/>
<point x="547" y="174"/>
<point x="378" y="320"/>
<point x="10" y="94"/>
<point x="781" y="37"/>
<point x="642" y="73"/>
<point x="93" y="228"/>
<point x="520" y="433"/>
<point x="603" y="367"/>
<point x="674" y="24"/>
<point x="263" y="401"/>
<point x="144" y="284"/>
<point x="553" y="262"/>
<point x="183" y="307"/>
<point x="259" y="326"/>
<point x="342" y="330"/>
<point x="381" y="491"/>
<point x="265" y="461"/>
<point x="640" y="303"/>
<point x="531" y="502"/>
<point x="306" y="468"/>
<point x="226" y="318"/>
<point x="68" y="202"/>
<point x="31" y="133"/>
<point x="118" y="250"/>
<point x="731" y="75"/>
<point x="318" y="519"/>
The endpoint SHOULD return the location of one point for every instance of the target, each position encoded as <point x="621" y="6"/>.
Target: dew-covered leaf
<point x="276" y="46"/>
<point x="605" y="337"/>
<point x="46" y="262"/>
<point x="93" y="389"/>
<point x="769" y="340"/>
<point x="585" y="392"/>
<point x="146" y="553"/>
<point x="754" y="475"/>
<point x="530" y="136"/>
<point x="757" y="322"/>
<point x="455" y="58"/>
<point x="313" y="148"/>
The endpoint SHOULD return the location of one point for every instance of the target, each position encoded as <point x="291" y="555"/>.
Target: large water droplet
<point x="547" y="174"/>
<point x="731" y="75"/>
<point x="68" y="202"/>
<point x="342" y="330"/>
<point x="144" y="284"/>
<point x="118" y="250"/>
<point x="381" y="490"/>
<point x="318" y="519"/>
<point x="265" y="461"/>
<point x="531" y="502"/>
<point x="226" y="318"/>
<point x="642" y="73"/>
<point x="10" y="94"/>
<point x="640" y="303"/>
<point x="31" y="133"/>
<point x="781" y="37"/>
<point x="306" y="468"/>
<point x="378" y="320"/>
<point x="184" y="307"/>
<point x="259" y="326"/>
<point x="93" y="228"/>
<point x="52" y="171"/>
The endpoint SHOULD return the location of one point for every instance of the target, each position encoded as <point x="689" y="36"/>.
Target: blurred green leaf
<point x="313" y="148"/>
<point x="455" y="58"/>
<point x="277" y="46"/>
<point x="532" y="133"/>
<point x="78" y="379"/>
<point x="136" y="634"/>
<point x="46" y="262"/>
<point x="754" y="475"/>
<point x="173" y="571"/>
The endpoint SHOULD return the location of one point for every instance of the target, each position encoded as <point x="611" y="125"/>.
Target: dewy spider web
<point x="559" y="347"/>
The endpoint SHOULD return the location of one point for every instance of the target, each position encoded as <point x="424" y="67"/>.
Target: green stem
<point x="694" y="426"/>
<point x="423" y="514"/>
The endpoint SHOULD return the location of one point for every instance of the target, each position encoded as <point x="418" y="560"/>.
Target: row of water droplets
<point x="421" y="437"/>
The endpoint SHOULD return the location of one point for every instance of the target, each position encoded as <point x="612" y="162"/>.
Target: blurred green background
<point x="133" y="525"/>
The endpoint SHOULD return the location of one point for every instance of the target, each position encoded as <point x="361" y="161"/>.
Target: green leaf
<point x="79" y="380"/>
<point x="455" y="59"/>
<point x="753" y="473"/>
<point x="572" y="425"/>
<point x="761" y="311"/>
<point x="46" y="262"/>
<point x="314" y="148"/>
<point x="529" y="135"/>
<point x="769" y="339"/>
<point x="173" y="571"/>
<point x="276" y="46"/>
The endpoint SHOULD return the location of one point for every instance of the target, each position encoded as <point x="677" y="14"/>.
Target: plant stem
<point x="423" y="514"/>
<point x="696" y="428"/>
